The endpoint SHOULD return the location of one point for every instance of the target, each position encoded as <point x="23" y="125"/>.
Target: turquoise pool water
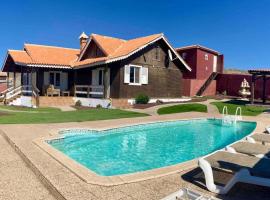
<point x="143" y="147"/>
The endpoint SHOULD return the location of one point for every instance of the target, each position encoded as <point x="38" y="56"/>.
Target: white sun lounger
<point x="267" y="129"/>
<point x="260" y="137"/>
<point x="253" y="149"/>
<point x="246" y="169"/>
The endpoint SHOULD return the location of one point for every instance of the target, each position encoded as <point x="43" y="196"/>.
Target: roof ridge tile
<point x="50" y="46"/>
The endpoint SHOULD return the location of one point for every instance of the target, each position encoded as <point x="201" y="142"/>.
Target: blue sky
<point x="238" y="29"/>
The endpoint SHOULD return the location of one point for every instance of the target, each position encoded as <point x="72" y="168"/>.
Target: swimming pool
<point x="149" y="146"/>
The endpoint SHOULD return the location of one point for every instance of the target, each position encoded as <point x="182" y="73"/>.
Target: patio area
<point x="64" y="184"/>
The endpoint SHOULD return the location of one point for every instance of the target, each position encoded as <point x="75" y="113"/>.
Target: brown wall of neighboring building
<point x="231" y="84"/>
<point x="190" y="57"/>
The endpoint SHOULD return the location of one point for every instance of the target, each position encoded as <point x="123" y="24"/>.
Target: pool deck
<point x="64" y="184"/>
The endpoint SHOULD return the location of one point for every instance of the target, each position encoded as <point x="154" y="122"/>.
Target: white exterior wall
<point x="92" y="102"/>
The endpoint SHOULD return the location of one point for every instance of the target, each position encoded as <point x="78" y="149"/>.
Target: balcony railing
<point x="89" y="90"/>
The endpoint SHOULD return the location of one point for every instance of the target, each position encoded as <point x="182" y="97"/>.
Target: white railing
<point x="16" y="91"/>
<point x="3" y="93"/>
<point x="89" y="90"/>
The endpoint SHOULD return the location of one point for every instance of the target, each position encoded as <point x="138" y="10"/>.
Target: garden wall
<point x="231" y="84"/>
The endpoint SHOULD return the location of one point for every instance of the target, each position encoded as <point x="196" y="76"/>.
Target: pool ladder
<point x="229" y="119"/>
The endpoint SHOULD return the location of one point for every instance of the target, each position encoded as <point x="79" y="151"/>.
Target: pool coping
<point x="89" y="176"/>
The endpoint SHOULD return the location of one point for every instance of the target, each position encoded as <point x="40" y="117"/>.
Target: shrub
<point x="142" y="99"/>
<point x="98" y="106"/>
<point x="78" y="103"/>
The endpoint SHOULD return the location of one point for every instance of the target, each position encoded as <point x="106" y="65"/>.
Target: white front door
<point x="215" y="64"/>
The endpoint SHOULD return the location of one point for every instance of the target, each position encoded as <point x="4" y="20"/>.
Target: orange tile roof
<point x="114" y="48"/>
<point x="50" y="55"/>
<point x="19" y="56"/>
<point x="89" y="61"/>
<point x="107" y="44"/>
<point x="117" y="48"/>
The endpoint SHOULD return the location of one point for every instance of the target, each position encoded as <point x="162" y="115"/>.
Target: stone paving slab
<point x="69" y="186"/>
<point x="17" y="181"/>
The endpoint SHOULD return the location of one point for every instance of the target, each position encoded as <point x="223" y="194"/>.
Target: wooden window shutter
<point x="126" y="74"/>
<point x="144" y="75"/>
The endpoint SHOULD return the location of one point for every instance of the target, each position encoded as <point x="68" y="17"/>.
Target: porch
<point x="52" y="82"/>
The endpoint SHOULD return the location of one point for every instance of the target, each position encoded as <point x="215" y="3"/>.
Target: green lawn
<point x="20" y="108"/>
<point x="192" y="107"/>
<point x="247" y="110"/>
<point x="52" y="115"/>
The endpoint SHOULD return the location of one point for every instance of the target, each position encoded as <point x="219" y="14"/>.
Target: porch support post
<point x="21" y="76"/>
<point x="264" y="89"/>
<point x="14" y="77"/>
<point x="106" y="82"/>
<point x="8" y="80"/>
<point x="75" y="82"/>
<point x="252" y="88"/>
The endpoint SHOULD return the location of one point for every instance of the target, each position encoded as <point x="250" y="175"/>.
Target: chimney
<point x="83" y="40"/>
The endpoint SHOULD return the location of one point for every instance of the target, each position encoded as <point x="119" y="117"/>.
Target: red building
<point x="205" y="64"/>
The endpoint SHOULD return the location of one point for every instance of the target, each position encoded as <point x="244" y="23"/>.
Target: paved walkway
<point x="65" y="108"/>
<point x="17" y="181"/>
<point x="153" y="110"/>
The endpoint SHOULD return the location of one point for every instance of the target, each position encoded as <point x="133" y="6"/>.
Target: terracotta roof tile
<point x="19" y="56"/>
<point x="89" y="61"/>
<point x="50" y="55"/>
<point x="114" y="48"/>
<point x="132" y="45"/>
<point x="107" y="44"/>
<point x="117" y="48"/>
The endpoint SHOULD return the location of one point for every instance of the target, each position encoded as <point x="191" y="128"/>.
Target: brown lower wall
<point x="231" y="84"/>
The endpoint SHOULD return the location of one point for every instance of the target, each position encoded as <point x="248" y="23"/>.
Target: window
<point x="157" y="53"/>
<point x="54" y="78"/>
<point x="206" y="56"/>
<point x="51" y="78"/>
<point x="57" y="79"/>
<point x="100" y="77"/>
<point x="134" y="75"/>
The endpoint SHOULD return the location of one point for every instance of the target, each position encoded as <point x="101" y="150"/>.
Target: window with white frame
<point x="136" y="75"/>
<point x="206" y="56"/>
